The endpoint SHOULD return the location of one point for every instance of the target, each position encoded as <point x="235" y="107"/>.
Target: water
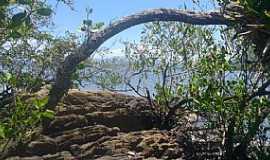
<point x="150" y="83"/>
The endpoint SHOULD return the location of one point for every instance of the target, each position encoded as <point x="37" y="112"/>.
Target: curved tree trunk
<point x="88" y="47"/>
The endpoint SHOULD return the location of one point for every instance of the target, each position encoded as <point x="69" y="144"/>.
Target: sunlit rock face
<point x="99" y="125"/>
<point x="106" y="126"/>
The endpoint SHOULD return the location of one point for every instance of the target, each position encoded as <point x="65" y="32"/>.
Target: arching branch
<point x="88" y="47"/>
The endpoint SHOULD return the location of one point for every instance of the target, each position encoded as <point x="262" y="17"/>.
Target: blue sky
<point x="109" y="10"/>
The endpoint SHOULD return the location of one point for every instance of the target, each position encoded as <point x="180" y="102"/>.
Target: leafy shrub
<point x="21" y="118"/>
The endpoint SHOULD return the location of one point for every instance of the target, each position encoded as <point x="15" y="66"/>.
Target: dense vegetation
<point x="219" y="72"/>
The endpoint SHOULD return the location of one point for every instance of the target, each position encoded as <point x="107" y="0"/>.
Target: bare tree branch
<point x="261" y="91"/>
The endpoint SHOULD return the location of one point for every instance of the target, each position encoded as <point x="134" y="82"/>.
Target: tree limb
<point x="63" y="77"/>
<point x="261" y="91"/>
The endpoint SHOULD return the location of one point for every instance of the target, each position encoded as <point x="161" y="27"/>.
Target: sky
<point x="109" y="10"/>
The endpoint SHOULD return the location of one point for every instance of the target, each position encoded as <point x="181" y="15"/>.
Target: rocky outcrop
<point x="101" y="125"/>
<point x="105" y="126"/>
<point x="81" y="109"/>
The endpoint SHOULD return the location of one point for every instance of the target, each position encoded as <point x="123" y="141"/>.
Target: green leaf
<point x="8" y="76"/>
<point x="44" y="11"/>
<point x="28" y="21"/>
<point x="87" y="22"/>
<point x="39" y="103"/>
<point x="267" y="13"/>
<point x="18" y="19"/>
<point x="98" y="25"/>
<point x="48" y="114"/>
<point x="80" y="66"/>
<point x="4" y="2"/>
<point x="2" y="131"/>
<point x="15" y="34"/>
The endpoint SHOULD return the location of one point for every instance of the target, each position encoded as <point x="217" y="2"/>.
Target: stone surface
<point x="104" y="126"/>
<point x="43" y="145"/>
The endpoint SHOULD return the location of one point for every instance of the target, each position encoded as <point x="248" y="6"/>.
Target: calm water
<point x="150" y="85"/>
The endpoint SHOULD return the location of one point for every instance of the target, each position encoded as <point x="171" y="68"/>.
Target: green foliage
<point x="28" y="59"/>
<point x="88" y="26"/>
<point x="20" y="17"/>
<point x="259" y="8"/>
<point x="166" y="54"/>
<point x="22" y="118"/>
<point x="256" y="8"/>
<point x="32" y="61"/>
<point x="44" y="11"/>
<point x="109" y="80"/>
<point x="163" y="94"/>
<point x="76" y="78"/>
<point x="215" y="93"/>
<point x="106" y="74"/>
<point x="190" y="63"/>
<point x="28" y="55"/>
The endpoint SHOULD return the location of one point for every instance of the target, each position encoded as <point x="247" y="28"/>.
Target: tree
<point x="26" y="49"/>
<point x="163" y="61"/>
<point x="95" y="39"/>
<point x="235" y="15"/>
<point x="26" y="62"/>
<point x="18" y="26"/>
<point x="188" y="67"/>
